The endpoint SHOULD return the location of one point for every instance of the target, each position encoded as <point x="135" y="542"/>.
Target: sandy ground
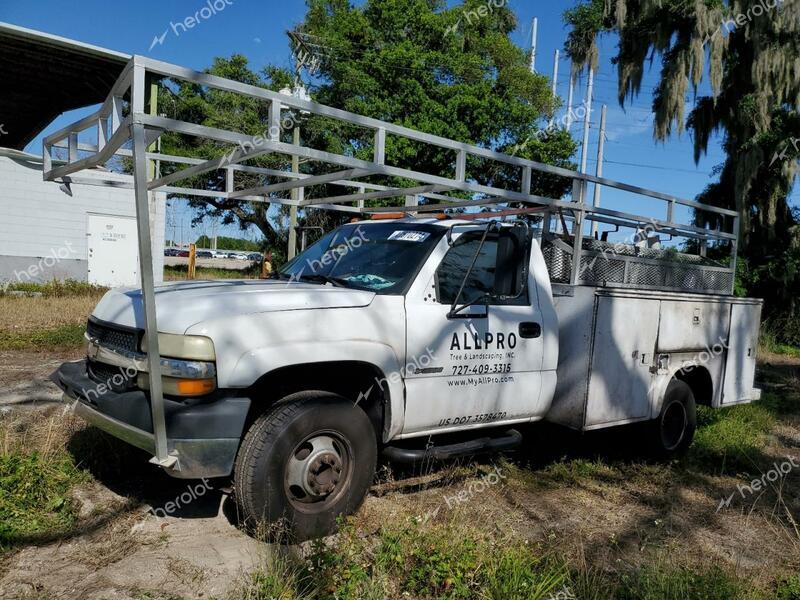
<point x="122" y="550"/>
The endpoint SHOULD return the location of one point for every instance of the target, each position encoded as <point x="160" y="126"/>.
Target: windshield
<point x="382" y="258"/>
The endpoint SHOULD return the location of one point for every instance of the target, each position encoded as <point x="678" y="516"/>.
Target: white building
<point x="90" y="236"/>
<point x="47" y="230"/>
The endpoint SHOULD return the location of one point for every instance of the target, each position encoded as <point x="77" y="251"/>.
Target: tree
<point x="228" y="243"/>
<point x="412" y="62"/>
<point x="749" y="53"/>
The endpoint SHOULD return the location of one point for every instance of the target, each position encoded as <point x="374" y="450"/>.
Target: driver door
<point x="481" y="366"/>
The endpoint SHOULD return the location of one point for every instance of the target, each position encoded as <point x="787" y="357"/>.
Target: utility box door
<point x="740" y="367"/>
<point x="624" y="341"/>
<point x="113" y="250"/>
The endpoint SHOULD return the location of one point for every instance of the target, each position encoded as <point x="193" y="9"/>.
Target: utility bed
<point x="619" y="347"/>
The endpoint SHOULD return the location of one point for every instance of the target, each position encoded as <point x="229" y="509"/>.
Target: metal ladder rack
<point x="125" y="117"/>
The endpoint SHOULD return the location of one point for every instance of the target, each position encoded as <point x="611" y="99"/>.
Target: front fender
<point x="255" y="363"/>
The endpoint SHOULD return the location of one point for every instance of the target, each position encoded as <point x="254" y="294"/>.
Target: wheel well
<point x="349" y="379"/>
<point x="700" y="382"/>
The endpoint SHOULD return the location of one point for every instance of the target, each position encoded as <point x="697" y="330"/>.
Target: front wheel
<point x="672" y="432"/>
<point x="304" y="463"/>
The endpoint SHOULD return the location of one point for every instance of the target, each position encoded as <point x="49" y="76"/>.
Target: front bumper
<point x="204" y="435"/>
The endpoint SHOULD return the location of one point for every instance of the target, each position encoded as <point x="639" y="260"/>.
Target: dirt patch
<point x="26" y="374"/>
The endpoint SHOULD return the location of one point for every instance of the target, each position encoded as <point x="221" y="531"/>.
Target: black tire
<point x="286" y="471"/>
<point x="672" y="432"/>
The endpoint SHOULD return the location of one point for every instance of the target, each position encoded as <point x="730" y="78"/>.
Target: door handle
<point x="530" y="329"/>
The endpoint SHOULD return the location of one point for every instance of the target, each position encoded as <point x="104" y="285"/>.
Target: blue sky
<point x="257" y="29"/>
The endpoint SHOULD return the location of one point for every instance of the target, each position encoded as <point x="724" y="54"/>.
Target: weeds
<point x="411" y="560"/>
<point x="36" y="477"/>
<point x="667" y="582"/>
<point x="64" y="337"/>
<point x="769" y="342"/>
<point x="67" y="288"/>
<point x="452" y="561"/>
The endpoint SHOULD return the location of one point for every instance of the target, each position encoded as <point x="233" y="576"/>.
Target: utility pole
<point x="534" y="27"/>
<point x="569" y="98"/>
<point x="601" y="142"/>
<point x="587" y="113"/>
<point x="305" y="56"/>
<point x="555" y="83"/>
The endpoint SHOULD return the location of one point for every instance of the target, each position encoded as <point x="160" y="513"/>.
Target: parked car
<point x="255" y="256"/>
<point x="204" y="254"/>
<point x="171" y="251"/>
<point x="183" y="253"/>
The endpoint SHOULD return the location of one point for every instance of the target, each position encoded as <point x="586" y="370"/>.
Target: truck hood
<point x="183" y="304"/>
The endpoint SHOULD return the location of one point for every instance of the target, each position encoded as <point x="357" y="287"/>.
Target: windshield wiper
<point x="320" y="278"/>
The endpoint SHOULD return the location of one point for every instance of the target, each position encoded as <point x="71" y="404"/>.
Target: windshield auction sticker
<point x="409" y="236"/>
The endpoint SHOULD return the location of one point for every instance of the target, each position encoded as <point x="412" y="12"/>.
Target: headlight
<point x="188" y="347"/>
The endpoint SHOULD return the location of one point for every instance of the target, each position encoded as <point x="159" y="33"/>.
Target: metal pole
<point x="292" y="250"/>
<point x="579" y="188"/>
<point x="569" y="97"/>
<point x="587" y="112"/>
<point x="162" y="456"/>
<point x="533" y="44"/>
<point x="601" y="142"/>
<point x="555" y="83"/>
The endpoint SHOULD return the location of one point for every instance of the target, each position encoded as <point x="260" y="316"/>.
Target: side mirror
<point x="511" y="269"/>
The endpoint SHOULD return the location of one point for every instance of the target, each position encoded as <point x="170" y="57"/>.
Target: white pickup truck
<point x="392" y="329"/>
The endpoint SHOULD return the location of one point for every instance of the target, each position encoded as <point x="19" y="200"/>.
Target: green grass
<point x="731" y="440"/>
<point x="452" y="562"/>
<point x="788" y="589"/>
<point x="667" y="582"/>
<point x="57" y="289"/>
<point x="411" y="561"/>
<point x="573" y="471"/>
<point x="60" y="338"/>
<point x="770" y="342"/>
<point x="34" y="496"/>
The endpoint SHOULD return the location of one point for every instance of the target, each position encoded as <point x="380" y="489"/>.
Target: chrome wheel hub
<point x="315" y="469"/>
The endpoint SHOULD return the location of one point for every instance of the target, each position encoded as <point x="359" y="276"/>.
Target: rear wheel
<point x="672" y="432"/>
<point x="304" y="463"/>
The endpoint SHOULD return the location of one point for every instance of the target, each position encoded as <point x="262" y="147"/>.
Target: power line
<point x="657" y="167"/>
